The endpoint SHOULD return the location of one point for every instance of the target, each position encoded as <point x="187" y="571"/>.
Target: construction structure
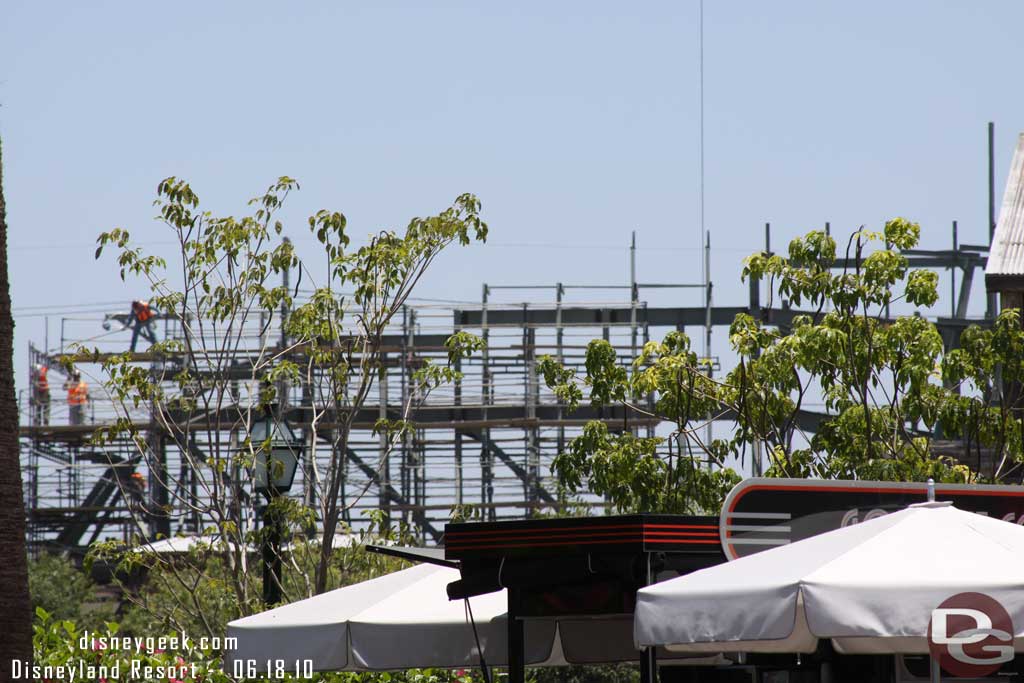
<point x="485" y="442"/>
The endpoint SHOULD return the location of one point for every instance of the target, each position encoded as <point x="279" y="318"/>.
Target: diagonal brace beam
<point x="516" y="468"/>
<point x="391" y="492"/>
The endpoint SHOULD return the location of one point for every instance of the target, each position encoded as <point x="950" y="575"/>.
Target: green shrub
<point x="65" y="592"/>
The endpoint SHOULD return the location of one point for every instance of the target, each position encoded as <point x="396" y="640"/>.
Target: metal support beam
<point x="965" y="293"/>
<point x="391" y="493"/>
<point x="102" y="491"/>
<point x="516" y="468"/>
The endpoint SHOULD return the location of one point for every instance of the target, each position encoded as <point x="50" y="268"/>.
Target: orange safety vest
<point x="78" y="393"/>
<point x="42" y="383"/>
<point x="142" y="311"/>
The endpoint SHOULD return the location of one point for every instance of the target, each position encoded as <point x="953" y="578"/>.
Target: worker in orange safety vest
<point x="78" y="398"/>
<point x="136" y="490"/>
<point x="40" y="396"/>
<point x="142" y="322"/>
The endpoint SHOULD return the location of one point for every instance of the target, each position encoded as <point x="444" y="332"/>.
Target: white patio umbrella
<point x="870" y="588"/>
<point x="182" y="545"/>
<point x="405" y="620"/>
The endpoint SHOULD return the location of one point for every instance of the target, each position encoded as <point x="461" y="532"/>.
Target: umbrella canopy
<point x="182" y="545"/>
<point x="871" y="588"/>
<point x="405" y="620"/>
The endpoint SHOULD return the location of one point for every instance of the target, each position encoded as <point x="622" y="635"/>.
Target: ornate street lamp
<point x="277" y="454"/>
<point x="276" y="461"/>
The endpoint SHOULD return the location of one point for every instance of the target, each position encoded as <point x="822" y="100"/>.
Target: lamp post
<point x="277" y="452"/>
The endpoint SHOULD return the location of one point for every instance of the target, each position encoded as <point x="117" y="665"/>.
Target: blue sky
<point x="574" y="122"/>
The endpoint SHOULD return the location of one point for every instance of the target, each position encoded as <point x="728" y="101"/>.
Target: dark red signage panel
<point x="764" y="513"/>
<point x="581" y="535"/>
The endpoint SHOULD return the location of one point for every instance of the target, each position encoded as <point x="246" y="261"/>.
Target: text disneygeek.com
<point x="113" y="657"/>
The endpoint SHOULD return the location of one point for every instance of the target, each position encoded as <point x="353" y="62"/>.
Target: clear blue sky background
<point x="575" y="123"/>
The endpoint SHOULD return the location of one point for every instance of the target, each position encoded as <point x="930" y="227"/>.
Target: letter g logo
<point x="971" y="635"/>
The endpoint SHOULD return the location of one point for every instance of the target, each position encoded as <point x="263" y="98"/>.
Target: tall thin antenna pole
<point x="991" y="302"/>
<point x="700" y="128"/>
<point x="632" y="270"/>
<point x="702" y="235"/>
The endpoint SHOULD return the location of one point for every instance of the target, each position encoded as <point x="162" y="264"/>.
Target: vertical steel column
<point x="458" y="433"/>
<point x="72" y="495"/>
<point x="406" y="383"/>
<point x="952" y="273"/>
<point x="707" y="326"/>
<point x="634" y="298"/>
<point x="560" y="355"/>
<point x="420" y="447"/>
<point x="486" y="457"/>
<point x="414" y="440"/>
<point x="160" y="523"/>
<point x="309" y="482"/>
<point x="533" y="433"/>
<point x="650" y="396"/>
<point x="559" y="330"/>
<point x="383" y="499"/>
<point x="527" y="410"/>
<point x="634" y="295"/>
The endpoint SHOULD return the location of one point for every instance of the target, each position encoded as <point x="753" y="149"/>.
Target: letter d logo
<point x="971" y="635"/>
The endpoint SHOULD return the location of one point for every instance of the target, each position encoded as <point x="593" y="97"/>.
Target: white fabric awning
<point x="405" y="620"/>
<point x="870" y="587"/>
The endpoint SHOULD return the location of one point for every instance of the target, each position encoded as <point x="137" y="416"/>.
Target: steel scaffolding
<point x="485" y="441"/>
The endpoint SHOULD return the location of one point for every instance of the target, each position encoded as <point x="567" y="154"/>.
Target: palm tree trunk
<point x="15" y="612"/>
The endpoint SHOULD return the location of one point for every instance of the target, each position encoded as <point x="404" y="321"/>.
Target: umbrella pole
<point x="516" y="640"/>
<point x="649" y="656"/>
<point x="936" y="672"/>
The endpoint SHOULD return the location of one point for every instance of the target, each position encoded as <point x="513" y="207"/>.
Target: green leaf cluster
<point x="889" y="389"/>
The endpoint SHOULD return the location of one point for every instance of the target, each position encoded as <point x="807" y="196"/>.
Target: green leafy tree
<point x="343" y="333"/>
<point x="887" y="386"/>
<point x="198" y="394"/>
<point x="56" y="585"/>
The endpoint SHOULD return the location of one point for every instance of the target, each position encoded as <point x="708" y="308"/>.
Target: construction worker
<point x="78" y="398"/>
<point x="138" y="480"/>
<point x="136" y="490"/>
<point x="141" y="322"/>
<point x="40" y="394"/>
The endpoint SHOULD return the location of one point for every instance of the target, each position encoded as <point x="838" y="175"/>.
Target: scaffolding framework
<point x="485" y="441"/>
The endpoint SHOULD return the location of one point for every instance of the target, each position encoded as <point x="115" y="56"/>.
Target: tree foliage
<point x="888" y="387"/>
<point x="203" y="389"/>
<point x="56" y="585"/>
